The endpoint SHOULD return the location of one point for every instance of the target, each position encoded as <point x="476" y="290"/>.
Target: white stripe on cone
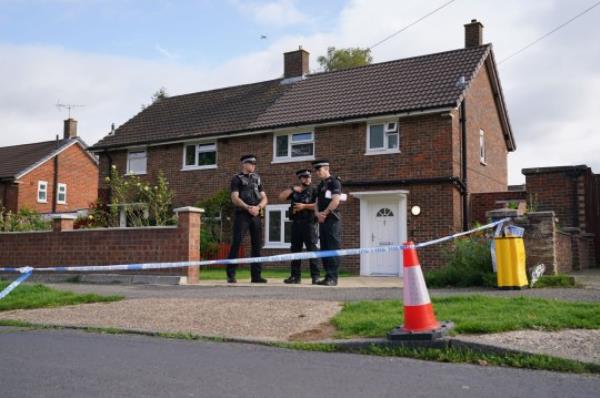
<point x="415" y="290"/>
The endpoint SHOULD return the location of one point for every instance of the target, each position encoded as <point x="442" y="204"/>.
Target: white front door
<point x="384" y="230"/>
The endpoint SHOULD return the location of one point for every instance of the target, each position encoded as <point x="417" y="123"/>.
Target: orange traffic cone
<point x="419" y="320"/>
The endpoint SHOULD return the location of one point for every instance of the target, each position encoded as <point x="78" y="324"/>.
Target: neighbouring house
<point x="49" y="177"/>
<point x="572" y="193"/>
<point x="411" y="140"/>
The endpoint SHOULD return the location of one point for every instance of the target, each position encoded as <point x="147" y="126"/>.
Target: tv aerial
<point x="59" y="105"/>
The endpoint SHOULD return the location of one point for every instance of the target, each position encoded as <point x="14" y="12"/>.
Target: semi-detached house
<point x="411" y="139"/>
<point x="49" y="177"/>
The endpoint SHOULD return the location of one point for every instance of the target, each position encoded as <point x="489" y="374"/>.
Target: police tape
<point x="246" y="260"/>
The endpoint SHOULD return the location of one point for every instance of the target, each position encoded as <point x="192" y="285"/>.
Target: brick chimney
<point x="473" y="34"/>
<point x="295" y="63"/>
<point x="70" y="130"/>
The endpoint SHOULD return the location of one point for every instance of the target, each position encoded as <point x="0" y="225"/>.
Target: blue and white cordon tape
<point x="27" y="271"/>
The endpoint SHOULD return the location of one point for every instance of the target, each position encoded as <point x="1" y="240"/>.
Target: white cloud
<point x="551" y="89"/>
<point x="272" y="13"/>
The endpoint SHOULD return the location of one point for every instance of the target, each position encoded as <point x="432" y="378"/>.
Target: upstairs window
<point x="61" y="194"/>
<point x="482" y="157"/>
<point x="294" y="146"/>
<point x="42" y="192"/>
<point x="383" y="137"/>
<point x="200" y="156"/>
<point x="136" y="161"/>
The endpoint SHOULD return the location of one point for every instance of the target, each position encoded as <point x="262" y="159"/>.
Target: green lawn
<point x="244" y="273"/>
<point x="471" y="314"/>
<point x="27" y="296"/>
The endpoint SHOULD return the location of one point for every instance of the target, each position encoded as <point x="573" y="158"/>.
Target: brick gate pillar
<point x="189" y="225"/>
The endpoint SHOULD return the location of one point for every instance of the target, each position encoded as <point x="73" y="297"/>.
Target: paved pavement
<point x="308" y="292"/>
<point x="66" y="363"/>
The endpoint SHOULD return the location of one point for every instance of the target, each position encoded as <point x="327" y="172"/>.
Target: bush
<point x="469" y="264"/>
<point x="22" y="221"/>
<point x="144" y="204"/>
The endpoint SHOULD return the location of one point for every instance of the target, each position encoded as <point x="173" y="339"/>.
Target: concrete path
<point x="64" y="364"/>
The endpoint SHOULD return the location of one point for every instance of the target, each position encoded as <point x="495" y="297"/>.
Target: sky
<point x="110" y="56"/>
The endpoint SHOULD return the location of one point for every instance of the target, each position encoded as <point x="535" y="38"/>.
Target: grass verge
<point x="28" y="296"/>
<point x="212" y="274"/>
<point x="555" y="281"/>
<point x="471" y="315"/>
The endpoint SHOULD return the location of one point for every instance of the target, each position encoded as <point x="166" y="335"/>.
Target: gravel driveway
<point x="249" y="319"/>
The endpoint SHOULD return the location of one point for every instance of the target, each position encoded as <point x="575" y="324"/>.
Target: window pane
<point x="190" y="155"/>
<point x="288" y="232"/>
<point x="282" y="145"/>
<point x="392" y="141"/>
<point x="207" y="158"/>
<point x="302" y="137"/>
<point x="376" y="136"/>
<point x="274" y="226"/>
<point x="136" y="162"/>
<point x="302" y="150"/>
<point x="207" y="147"/>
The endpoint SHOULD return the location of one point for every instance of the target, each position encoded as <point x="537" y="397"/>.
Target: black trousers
<point x="243" y="222"/>
<point x="304" y="233"/>
<point x="330" y="237"/>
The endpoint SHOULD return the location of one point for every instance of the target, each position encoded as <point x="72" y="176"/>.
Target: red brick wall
<point x="75" y="168"/>
<point x="555" y="192"/>
<point x="8" y="196"/>
<point x="482" y="115"/>
<point x="484" y="202"/>
<point x="118" y="246"/>
<point x="564" y="252"/>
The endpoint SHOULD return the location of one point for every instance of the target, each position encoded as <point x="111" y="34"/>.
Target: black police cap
<point x="303" y="173"/>
<point x="320" y="163"/>
<point x="248" y="159"/>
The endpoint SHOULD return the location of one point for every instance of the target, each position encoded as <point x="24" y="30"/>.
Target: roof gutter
<point x="233" y="134"/>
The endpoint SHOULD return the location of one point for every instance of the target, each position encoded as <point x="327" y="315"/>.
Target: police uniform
<point x="330" y="230"/>
<point x="304" y="229"/>
<point x="249" y="187"/>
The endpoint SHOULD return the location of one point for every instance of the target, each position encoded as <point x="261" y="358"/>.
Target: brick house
<point x="416" y="133"/>
<point x="49" y="177"/>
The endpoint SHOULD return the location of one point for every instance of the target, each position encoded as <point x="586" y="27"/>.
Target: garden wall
<point x="64" y="246"/>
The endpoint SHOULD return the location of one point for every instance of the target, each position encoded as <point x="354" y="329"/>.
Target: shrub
<point x="23" y="220"/>
<point x="144" y="204"/>
<point x="469" y="264"/>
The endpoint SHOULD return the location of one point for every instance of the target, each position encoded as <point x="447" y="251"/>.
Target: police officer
<point x="249" y="198"/>
<point x="326" y="211"/>
<point x="304" y="225"/>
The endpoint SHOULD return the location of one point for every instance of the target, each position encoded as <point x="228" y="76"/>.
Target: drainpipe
<point x="463" y="156"/>
<point x="54" y="194"/>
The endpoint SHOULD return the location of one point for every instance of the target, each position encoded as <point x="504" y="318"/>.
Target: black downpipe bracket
<point x="463" y="156"/>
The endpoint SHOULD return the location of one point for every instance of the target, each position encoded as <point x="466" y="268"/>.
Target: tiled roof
<point x="204" y="113"/>
<point x="17" y="158"/>
<point x="409" y="84"/>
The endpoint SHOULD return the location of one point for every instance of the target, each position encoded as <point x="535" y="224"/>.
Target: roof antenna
<point x="67" y="106"/>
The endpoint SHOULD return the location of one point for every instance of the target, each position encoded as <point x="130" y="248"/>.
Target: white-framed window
<point x="42" y="192"/>
<point x="482" y="157"/>
<point x="61" y="194"/>
<point x="278" y="231"/>
<point x="137" y="160"/>
<point x="197" y="156"/>
<point x="383" y="137"/>
<point x="296" y="146"/>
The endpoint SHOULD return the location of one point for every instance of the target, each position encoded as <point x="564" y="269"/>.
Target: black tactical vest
<point x="306" y="197"/>
<point x="249" y="188"/>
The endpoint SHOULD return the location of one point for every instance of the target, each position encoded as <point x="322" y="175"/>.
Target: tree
<point x="158" y="96"/>
<point x="344" y="58"/>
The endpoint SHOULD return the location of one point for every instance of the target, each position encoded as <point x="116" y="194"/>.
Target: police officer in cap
<point x="248" y="197"/>
<point x="326" y="211"/>
<point x="304" y="225"/>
